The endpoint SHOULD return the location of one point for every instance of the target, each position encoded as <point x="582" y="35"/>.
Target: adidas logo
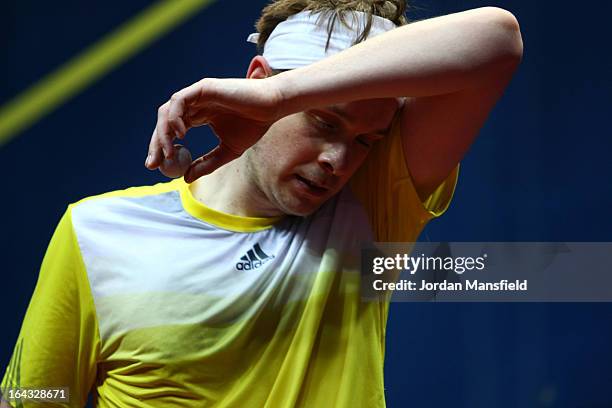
<point x="253" y="259"/>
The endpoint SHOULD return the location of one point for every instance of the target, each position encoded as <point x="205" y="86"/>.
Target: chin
<point x="300" y="208"/>
<point x="301" y="211"/>
<point x="293" y="202"/>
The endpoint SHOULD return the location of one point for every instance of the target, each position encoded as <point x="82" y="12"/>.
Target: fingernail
<point x="148" y="160"/>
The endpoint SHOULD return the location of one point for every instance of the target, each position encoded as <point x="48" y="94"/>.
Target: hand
<point x="239" y="111"/>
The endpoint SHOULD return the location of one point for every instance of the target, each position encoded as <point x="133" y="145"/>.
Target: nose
<point x="335" y="158"/>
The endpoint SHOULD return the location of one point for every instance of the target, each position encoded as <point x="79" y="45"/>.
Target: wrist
<point x="285" y="91"/>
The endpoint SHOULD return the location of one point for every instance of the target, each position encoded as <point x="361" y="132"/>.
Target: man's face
<point x="306" y="158"/>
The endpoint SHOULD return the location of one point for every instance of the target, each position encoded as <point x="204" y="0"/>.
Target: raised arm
<point x="450" y="69"/>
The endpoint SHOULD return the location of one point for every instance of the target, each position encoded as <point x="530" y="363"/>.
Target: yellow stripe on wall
<point x="84" y="69"/>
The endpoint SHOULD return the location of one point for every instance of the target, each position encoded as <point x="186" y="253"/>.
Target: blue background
<point x="538" y="172"/>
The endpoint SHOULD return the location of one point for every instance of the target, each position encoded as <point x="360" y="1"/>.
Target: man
<point x="239" y="285"/>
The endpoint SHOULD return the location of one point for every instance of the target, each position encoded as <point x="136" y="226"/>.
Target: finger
<point x="155" y="154"/>
<point x="210" y="162"/>
<point x="183" y="104"/>
<point x="199" y="118"/>
<point x="165" y="135"/>
<point x="176" y="113"/>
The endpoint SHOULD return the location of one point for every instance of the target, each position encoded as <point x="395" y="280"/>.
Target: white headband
<point x="300" y="40"/>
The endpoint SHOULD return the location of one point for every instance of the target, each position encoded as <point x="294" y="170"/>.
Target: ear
<point x="259" y="68"/>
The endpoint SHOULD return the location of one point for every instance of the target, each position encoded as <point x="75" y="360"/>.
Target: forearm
<point x="431" y="57"/>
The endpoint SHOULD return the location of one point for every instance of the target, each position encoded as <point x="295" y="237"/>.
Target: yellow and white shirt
<point x="147" y="298"/>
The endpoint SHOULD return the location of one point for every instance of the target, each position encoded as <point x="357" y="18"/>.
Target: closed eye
<point x="323" y="123"/>
<point x="369" y="139"/>
<point x="364" y="141"/>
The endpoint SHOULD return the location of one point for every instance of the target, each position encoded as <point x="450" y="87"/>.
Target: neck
<point x="231" y="189"/>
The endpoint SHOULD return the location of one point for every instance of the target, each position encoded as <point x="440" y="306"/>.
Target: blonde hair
<point x="278" y="11"/>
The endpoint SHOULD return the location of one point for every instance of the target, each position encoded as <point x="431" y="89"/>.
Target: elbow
<point x="505" y="35"/>
<point x="512" y="40"/>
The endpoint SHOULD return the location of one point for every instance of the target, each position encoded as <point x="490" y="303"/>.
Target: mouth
<point x="310" y="187"/>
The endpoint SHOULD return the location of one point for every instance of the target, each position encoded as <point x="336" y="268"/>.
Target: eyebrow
<point x="349" y="118"/>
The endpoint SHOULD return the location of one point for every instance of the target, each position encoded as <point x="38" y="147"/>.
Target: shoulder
<point x="133" y="192"/>
<point x="116" y="207"/>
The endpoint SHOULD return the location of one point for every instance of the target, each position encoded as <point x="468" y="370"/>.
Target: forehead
<point x="369" y="114"/>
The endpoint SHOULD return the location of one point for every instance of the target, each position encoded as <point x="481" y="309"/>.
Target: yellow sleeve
<point x="384" y="187"/>
<point x="59" y="340"/>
